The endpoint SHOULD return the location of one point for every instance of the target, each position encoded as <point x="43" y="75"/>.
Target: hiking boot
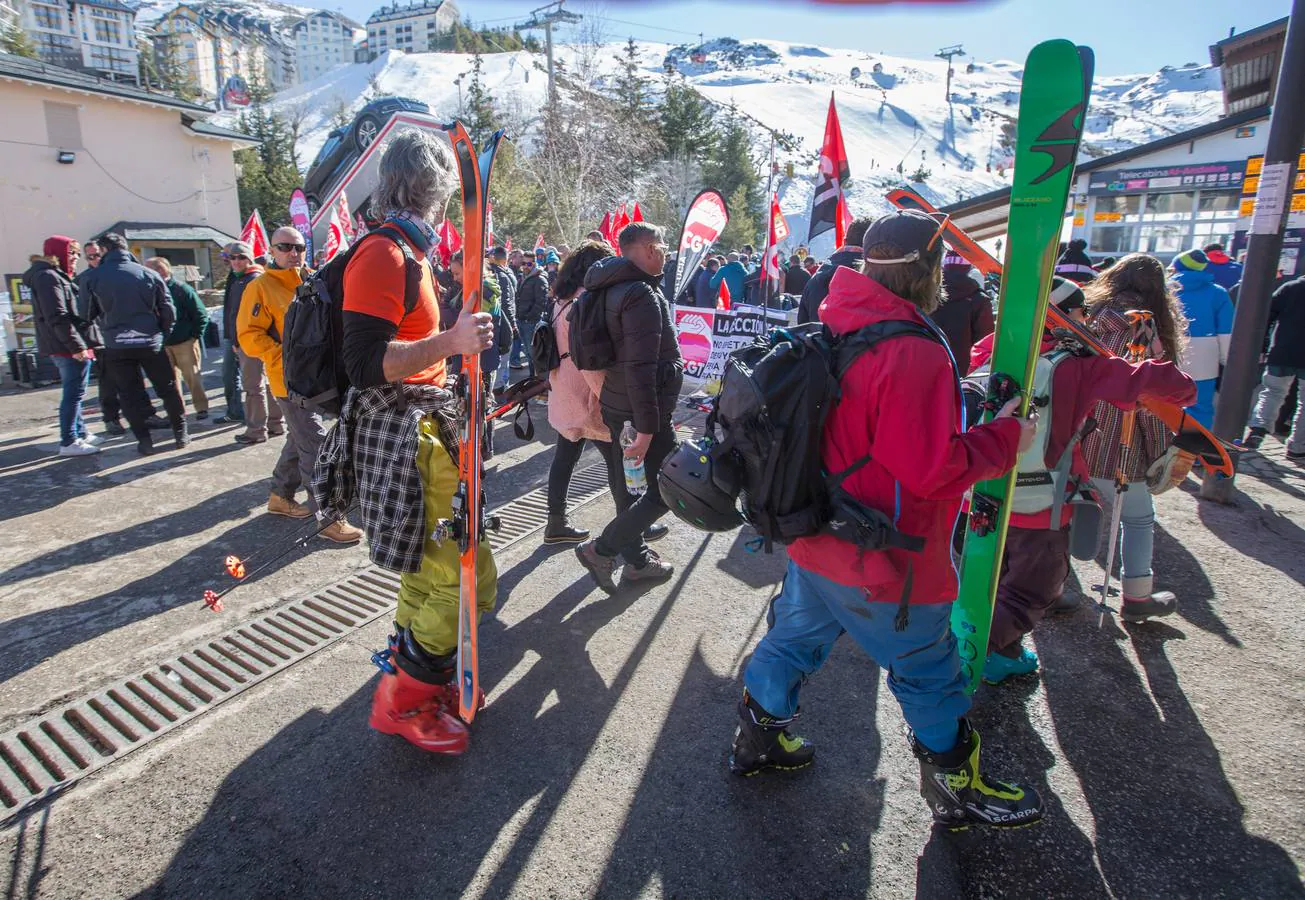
<point x="763" y="742"/>
<point x="1254" y="438"/>
<point x="145" y="445"/>
<point x="282" y="506"/>
<point x="1296" y="455"/>
<point x="245" y="438"/>
<point x="652" y="571"/>
<point x="958" y="794"/>
<point x="275" y="432"/>
<point x="599" y="566"/>
<point x="229" y="419"/>
<point x="655" y="532"/>
<point x="341" y="532"/>
<point x="559" y="530"/>
<point x="114" y="427"/>
<point x="998" y="667"/>
<point x="201" y="416"/>
<point x="158" y="423"/>
<point x="181" y="436"/>
<point x="1141" y="603"/>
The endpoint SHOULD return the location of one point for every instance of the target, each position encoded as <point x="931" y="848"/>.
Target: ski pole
<point x="1142" y="333"/>
<point x="236" y="566"/>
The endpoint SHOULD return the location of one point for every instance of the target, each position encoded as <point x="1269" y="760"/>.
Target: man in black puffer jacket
<point x="847" y="256"/>
<point x="1286" y="363"/>
<point x="532" y="305"/>
<point x="132" y="307"/>
<point x="641" y="387"/>
<point x="965" y="317"/>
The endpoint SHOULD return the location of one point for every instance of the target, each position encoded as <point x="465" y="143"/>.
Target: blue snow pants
<point x="812" y="612"/>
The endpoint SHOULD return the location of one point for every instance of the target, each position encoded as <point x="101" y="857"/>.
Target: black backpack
<point x="544" y="351"/>
<point x="591" y="343"/>
<point x="775" y="397"/>
<point x="312" y="344"/>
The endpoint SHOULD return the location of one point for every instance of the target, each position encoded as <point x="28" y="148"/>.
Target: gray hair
<point x="416" y="173"/>
<point x="160" y="265"/>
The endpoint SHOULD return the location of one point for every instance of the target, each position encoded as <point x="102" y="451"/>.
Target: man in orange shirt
<point x="395" y="447"/>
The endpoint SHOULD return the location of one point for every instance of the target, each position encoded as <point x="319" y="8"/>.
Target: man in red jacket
<point x="901" y="408"/>
<point x="1036" y="561"/>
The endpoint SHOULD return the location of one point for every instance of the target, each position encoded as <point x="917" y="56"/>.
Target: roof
<point x="330" y="14"/>
<point x="208" y="129"/>
<point x="1249" y="64"/>
<point x="395" y="11"/>
<point x="1217" y="50"/>
<point x="109" y="4"/>
<point x="996" y="201"/>
<point x="18" y="68"/>
<point x="167" y="231"/>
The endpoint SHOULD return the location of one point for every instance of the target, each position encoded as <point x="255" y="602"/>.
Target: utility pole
<point x="947" y="53"/>
<point x="546" y="17"/>
<point x="1272" y="205"/>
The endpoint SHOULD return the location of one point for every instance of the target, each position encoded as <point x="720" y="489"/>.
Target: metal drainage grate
<point x="50" y="753"/>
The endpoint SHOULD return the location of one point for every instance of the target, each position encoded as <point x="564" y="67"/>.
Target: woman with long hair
<point x="573" y="407"/>
<point x="1136" y="281"/>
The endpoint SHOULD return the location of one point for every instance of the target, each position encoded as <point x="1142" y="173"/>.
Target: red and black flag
<point x="834" y="173"/>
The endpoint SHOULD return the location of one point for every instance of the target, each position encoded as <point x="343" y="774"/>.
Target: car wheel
<point x="365" y="132"/>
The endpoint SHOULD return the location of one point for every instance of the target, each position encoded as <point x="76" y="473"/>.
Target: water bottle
<point x="636" y="481"/>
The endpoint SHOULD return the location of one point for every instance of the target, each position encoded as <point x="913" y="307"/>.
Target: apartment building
<point x="219" y="48"/>
<point x="413" y="28"/>
<point x="323" y="41"/>
<point x="94" y="35"/>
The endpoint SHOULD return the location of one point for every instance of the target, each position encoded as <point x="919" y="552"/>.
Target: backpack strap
<point x="411" y="267"/>
<point x="850" y="347"/>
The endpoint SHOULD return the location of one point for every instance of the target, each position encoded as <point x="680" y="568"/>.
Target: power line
<point x="653" y="27"/>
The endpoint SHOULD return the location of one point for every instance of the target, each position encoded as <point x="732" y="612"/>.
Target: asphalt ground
<point x="1165" y="752"/>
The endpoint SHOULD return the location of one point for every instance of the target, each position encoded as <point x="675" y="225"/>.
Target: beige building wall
<point x="146" y="167"/>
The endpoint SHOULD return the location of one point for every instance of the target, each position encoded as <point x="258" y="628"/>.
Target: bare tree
<point x="296" y="116"/>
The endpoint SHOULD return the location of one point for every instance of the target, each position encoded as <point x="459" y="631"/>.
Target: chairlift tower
<point x="948" y="53"/>
<point x="546" y="17"/>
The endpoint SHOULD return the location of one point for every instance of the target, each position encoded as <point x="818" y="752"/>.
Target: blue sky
<point x="1128" y="35"/>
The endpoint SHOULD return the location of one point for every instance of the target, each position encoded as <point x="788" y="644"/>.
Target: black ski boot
<point x="1141" y="602"/>
<point x="181" y="434"/>
<point x="959" y="796"/>
<point x="763" y="742"/>
<point x="559" y="530"/>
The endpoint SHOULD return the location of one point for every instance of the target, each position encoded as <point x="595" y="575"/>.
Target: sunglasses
<point x="291" y="248"/>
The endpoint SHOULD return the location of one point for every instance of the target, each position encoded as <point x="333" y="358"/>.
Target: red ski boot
<point x="417" y="712"/>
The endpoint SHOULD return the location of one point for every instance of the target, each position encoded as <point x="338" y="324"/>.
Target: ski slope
<point x="897" y="116"/>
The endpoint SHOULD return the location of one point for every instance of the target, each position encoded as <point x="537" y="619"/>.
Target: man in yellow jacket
<point x="259" y="327"/>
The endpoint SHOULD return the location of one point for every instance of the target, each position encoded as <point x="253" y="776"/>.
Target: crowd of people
<point x="392" y="452"/>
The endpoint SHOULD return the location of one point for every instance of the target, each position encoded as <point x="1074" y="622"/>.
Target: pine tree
<point x="686" y="124"/>
<point x="732" y="171"/>
<point x="637" y="141"/>
<point x="13" y="39"/>
<point x="268" y="174"/>
<point x="479" y="114"/>
<point x="173" y="74"/>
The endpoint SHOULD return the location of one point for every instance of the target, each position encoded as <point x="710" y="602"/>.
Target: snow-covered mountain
<point x="279" y="14"/>
<point x="893" y="110"/>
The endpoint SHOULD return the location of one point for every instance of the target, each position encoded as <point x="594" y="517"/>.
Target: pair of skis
<point x="468" y="524"/>
<point x="1190" y="436"/>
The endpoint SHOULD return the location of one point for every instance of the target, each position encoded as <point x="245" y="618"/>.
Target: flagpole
<point x="770" y="192"/>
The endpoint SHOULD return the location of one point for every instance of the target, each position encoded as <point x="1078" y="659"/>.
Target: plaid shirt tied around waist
<point x="370" y="454"/>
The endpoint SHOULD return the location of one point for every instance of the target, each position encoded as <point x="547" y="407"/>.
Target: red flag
<point x="723" y="302"/>
<point x="622" y="219"/>
<point x="539" y="242"/>
<point x="255" y="235"/>
<point x="842" y="222"/>
<point x="346" y="219"/>
<point x="336" y="237"/>
<point x="450" y="241"/>
<point x="489" y="226"/>
<point x="778" y="233"/>
<point x="637" y="215"/>
<point x="605" y="227"/>
<point x="507" y="245"/>
<point x="834" y="173"/>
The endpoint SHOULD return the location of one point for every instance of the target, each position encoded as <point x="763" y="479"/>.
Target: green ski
<point x="1053" y="102"/>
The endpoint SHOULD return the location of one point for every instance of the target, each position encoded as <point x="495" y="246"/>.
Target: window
<point x="1220" y="205"/>
<point x="1169" y="206"/>
<point x="63" y="125"/>
<point x="1163" y="239"/>
<point x="48" y="17"/>
<point x="1116" y="208"/>
<point x="1112" y="239"/>
<point x="108" y="32"/>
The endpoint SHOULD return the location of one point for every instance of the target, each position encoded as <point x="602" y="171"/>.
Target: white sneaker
<point x="77" y="448"/>
<point x="91" y="439"/>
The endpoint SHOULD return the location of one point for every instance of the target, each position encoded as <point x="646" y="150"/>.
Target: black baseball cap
<point x="497" y="252"/>
<point x="908" y="235"/>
